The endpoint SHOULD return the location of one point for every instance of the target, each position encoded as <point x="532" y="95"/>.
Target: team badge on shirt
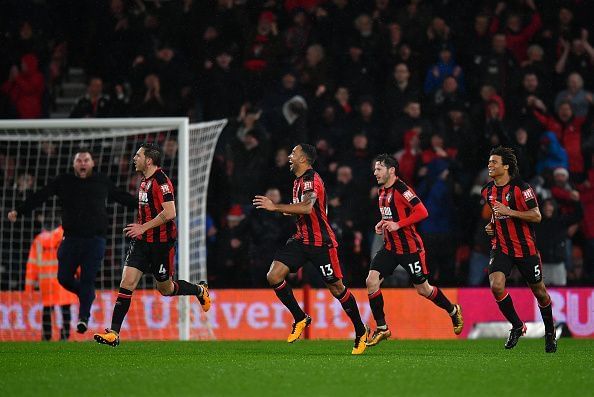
<point x="508" y="197"/>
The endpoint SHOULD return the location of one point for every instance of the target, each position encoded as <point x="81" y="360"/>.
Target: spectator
<point x="246" y="166"/>
<point x="151" y="103"/>
<point x="267" y="231"/>
<point x="445" y="67"/>
<point x="261" y="54"/>
<point x="412" y="118"/>
<point x="233" y="249"/>
<point x="568" y="129"/>
<point x="25" y="87"/>
<point x="436" y="192"/>
<point x="409" y="158"/>
<point x="551" y="240"/>
<point x="587" y="200"/>
<point x="221" y="90"/>
<point x="94" y="103"/>
<point x="516" y="36"/>
<point x="399" y="91"/>
<point x="498" y="67"/>
<point x="315" y="73"/>
<point x="279" y="176"/>
<point x="578" y="57"/>
<point x="550" y="153"/>
<point x="580" y="99"/>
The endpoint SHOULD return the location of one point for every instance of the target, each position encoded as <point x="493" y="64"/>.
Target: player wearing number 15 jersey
<point x="515" y="208"/>
<point x="400" y="210"/>
<point x="313" y="243"/>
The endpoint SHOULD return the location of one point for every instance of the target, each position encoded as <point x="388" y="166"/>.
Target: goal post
<point x="24" y="154"/>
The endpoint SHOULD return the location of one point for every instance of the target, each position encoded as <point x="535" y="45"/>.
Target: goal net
<point x="32" y="152"/>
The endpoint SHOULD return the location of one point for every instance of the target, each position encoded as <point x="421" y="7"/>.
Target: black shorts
<point x="155" y="258"/>
<point x="530" y="267"/>
<point x="386" y="261"/>
<point x="325" y="259"/>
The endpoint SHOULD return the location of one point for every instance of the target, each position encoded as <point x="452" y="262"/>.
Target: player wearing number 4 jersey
<point x="153" y="243"/>
<point x="314" y="242"/>
<point x="515" y="208"/>
<point x="400" y="210"/>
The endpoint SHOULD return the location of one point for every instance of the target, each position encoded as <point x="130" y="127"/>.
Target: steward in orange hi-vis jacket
<point x="42" y="271"/>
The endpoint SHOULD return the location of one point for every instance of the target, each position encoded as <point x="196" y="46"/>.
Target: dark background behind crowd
<point x="436" y="83"/>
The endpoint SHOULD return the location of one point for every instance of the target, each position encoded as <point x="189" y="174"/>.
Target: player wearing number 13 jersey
<point x="314" y="243"/>
<point x="400" y="210"/>
<point x="515" y="208"/>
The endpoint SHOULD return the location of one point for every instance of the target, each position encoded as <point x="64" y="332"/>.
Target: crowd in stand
<point x="436" y="83"/>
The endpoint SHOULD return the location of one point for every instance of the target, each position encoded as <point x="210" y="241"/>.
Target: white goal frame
<point x="183" y="191"/>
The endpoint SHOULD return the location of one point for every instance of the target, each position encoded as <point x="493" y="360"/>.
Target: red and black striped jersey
<point x="313" y="228"/>
<point x="152" y="193"/>
<point x="396" y="202"/>
<point x="513" y="236"/>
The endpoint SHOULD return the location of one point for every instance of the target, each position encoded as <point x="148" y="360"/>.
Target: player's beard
<point x="140" y="167"/>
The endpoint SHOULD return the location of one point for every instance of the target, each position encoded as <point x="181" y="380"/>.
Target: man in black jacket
<point x="551" y="234"/>
<point x="84" y="219"/>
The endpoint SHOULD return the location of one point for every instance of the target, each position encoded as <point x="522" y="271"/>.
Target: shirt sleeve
<point x="525" y="194"/>
<point x="410" y="197"/>
<point x="164" y="188"/>
<point x="310" y="184"/>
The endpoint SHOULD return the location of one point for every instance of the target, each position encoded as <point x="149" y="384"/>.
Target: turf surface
<point x="306" y="368"/>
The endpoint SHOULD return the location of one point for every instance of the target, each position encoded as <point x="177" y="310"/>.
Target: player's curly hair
<point x="153" y="152"/>
<point x="310" y="152"/>
<point x="508" y="157"/>
<point x="388" y="160"/>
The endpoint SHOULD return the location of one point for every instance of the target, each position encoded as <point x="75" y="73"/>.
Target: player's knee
<point x="336" y="289"/>
<point x="127" y="285"/>
<point x="274" y="276"/>
<point x="373" y="283"/>
<point x="165" y="290"/>
<point x="497" y="289"/>
<point x="424" y="290"/>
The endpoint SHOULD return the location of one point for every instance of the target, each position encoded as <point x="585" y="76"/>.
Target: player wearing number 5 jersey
<point x="152" y="249"/>
<point x="314" y="242"/>
<point x="515" y="208"/>
<point x="400" y="210"/>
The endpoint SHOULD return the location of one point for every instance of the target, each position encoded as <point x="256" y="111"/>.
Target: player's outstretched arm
<point x="34" y="200"/>
<point x="303" y="208"/>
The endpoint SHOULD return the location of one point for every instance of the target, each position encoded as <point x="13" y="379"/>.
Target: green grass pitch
<point x="305" y="368"/>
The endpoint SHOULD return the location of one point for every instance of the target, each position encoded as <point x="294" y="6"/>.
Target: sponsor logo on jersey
<point x="142" y="197"/>
<point x="308" y="185"/>
<point x="386" y="212"/>
<point x="165" y="188"/>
